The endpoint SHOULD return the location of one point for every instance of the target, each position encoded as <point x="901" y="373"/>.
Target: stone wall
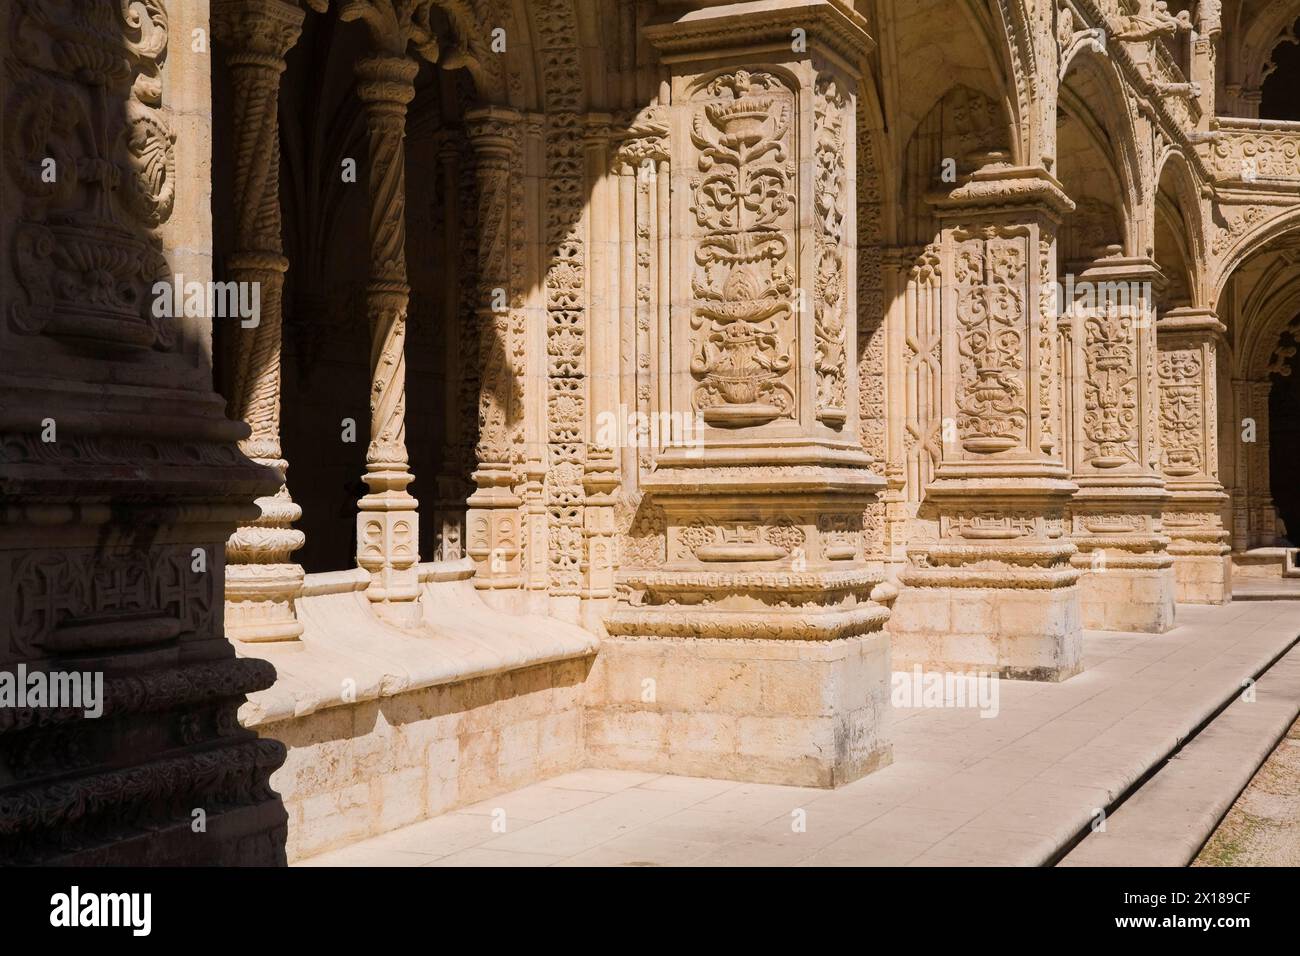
<point x="359" y="770"/>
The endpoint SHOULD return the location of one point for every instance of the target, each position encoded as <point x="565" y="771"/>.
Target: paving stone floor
<point x="1011" y="789"/>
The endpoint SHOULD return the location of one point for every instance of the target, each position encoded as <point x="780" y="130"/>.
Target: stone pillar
<point x="1189" y="340"/>
<point x="1127" y="581"/>
<point x="751" y="643"/>
<point x="493" y="520"/>
<point x="388" y="523"/>
<point x="262" y="582"/>
<point x="990" y="584"/>
<point x="1263" y="520"/>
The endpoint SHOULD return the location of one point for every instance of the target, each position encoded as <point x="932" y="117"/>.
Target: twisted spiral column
<point x="262" y="582"/>
<point x="388" y="523"/>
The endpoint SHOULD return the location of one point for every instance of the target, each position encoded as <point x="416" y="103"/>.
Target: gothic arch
<point x="1092" y="93"/>
<point x="1265" y="231"/>
<point x="1184" y="210"/>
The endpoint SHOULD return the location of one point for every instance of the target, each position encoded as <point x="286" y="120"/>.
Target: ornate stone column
<point x="751" y="612"/>
<point x="1127" y="581"/>
<point x="262" y="582"/>
<point x="1189" y="340"/>
<point x="989" y="582"/>
<point x="493" y="520"/>
<point x="388" y="523"/>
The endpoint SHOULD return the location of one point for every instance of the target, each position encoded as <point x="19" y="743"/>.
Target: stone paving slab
<point x="1011" y="789"/>
<point x="1166" y="822"/>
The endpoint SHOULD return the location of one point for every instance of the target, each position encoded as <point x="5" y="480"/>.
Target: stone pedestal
<point x="1113" y="399"/>
<point x="749" y="552"/>
<point x="989" y="585"/>
<point x="1189" y="340"/>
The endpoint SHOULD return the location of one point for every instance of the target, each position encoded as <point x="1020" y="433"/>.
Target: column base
<point x="799" y="712"/>
<point x="1020" y="633"/>
<point x="259" y="602"/>
<point x="1121" y="598"/>
<point x="1202" y="578"/>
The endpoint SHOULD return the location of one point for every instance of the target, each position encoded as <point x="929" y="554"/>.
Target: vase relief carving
<point x="991" y="391"/>
<point x="743" y="280"/>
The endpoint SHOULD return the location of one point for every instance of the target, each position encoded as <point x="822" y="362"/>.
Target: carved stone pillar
<point x="1127" y="581"/>
<point x="493" y="520"/>
<point x="752" y="613"/>
<point x="262" y="582"/>
<point x="989" y="582"/>
<point x="1189" y="340"/>
<point x="122" y="475"/>
<point x="388" y="523"/>
<point x="450" y="490"/>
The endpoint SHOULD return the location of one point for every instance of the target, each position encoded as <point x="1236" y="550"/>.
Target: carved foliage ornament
<point x="743" y="203"/>
<point x="989" y="283"/>
<point x="93" y="158"/>
<point x="1180" y="411"/>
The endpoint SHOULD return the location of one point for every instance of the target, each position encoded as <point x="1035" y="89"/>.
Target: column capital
<point x="831" y="26"/>
<point x="386" y="80"/>
<point x="493" y="130"/>
<point x="263" y="28"/>
<point x="1000" y="187"/>
<point x="1190" y="320"/>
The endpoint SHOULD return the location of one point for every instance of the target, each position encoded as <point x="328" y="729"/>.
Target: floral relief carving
<point x="744" y="205"/>
<point x="86" y="92"/>
<point x="829" y="202"/>
<point x="1181" y="395"/>
<point x="989" y="285"/>
<point x="1110" y="389"/>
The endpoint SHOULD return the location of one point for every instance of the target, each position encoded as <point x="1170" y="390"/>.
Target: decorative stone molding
<point x="1248" y="152"/>
<point x="262" y="582"/>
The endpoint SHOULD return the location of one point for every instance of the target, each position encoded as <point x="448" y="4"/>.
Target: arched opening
<point x="1282" y="78"/>
<point x="325" y="341"/>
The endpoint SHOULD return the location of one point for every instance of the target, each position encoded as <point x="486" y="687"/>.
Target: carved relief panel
<point x="988" y="342"/>
<point x="743" y="206"/>
<point x="89" y="149"/>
